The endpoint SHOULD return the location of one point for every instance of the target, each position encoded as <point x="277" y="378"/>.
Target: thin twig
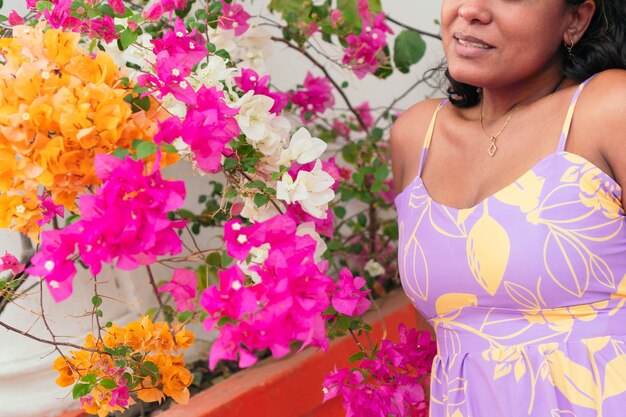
<point x="404" y="25"/>
<point x="333" y="82"/>
<point x="155" y="289"/>
<point x="48" y="342"/>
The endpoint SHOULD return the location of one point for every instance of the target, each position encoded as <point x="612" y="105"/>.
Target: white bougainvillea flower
<point x="214" y="73"/>
<point x="265" y="131"/>
<point x="374" y="269"/>
<point x="312" y="189"/>
<point x="303" y="148"/>
<point x="308" y="228"/>
<point x="254" y="116"/>
<point x="174" y="106"/>
<point x="257" y="214"/>
<point x="248" y="50"/>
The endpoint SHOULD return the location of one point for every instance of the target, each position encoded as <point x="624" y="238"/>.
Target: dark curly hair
<point x="602" y="47"/>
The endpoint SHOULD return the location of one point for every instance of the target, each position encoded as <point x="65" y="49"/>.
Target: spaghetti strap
<point x="429" y="136"/>
<point x="570" y="114"/>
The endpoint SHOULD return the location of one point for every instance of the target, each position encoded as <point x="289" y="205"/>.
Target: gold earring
<point x="569" y="48"/>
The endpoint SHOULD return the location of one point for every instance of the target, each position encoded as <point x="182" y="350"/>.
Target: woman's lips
<point x="470" y="41"/>
<point x="469" y="46"/>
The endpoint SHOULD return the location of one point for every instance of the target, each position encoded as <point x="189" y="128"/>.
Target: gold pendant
<point x="492" y="148"/>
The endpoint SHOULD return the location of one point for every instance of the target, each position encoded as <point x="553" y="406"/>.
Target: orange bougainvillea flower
<point x="59" y="107"/>
<point x="140" y="358"/>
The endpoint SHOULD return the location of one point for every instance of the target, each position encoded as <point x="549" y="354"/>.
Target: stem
<point x="404" y="25"/>
<point x="357" y="341"/>
<point x="155" y="290"/>
<point x="48" y="342"/>
<point x="333" y="82"/>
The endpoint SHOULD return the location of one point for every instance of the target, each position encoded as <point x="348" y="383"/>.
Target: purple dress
<point x="525" y="290"/>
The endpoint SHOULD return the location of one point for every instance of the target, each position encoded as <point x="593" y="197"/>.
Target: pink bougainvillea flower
<point x="366" y="114"/>
<point x="341" y="128"/>
<point x="249" y="80"/>
<point x="160" y="7"/>
<point x="348" y="299"/>
<point x="391" y="382"/>
<point x="234" y="17"/>
<point x="10" y="262"/>
<point x="15" y="18"/>
<point x="183" y="287"/>
<point x="103" y="28"/>
<point x="286" y="302"/>
<point x="117" y="6"/>
<point x="125" y="222"/>
<point x="54" y="263"/>
<point x="119" y="396"/>
<point x="49" y="210"/>
<point x="365" y="52"/>
<point x="314" y="98"/>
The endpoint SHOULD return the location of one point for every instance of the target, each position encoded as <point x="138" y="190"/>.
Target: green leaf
<point x="80" y="390"/>
<point x="230" y="164"/>
<point x="169" y="148"/>
<point x="184" y="316"/>
<point x="44" y="5"/>
<point x="214" y="258"/>
<point x="150" y="370"/>
<point x="89" y="379"/>
<point x="127" y="37"/>
<point x="381" y="173"/>
<point x="350" y="13"/>
<point x="99" y="313"/>
<point x="339" y="211"/>
<point x="409" y="48"/>
<point x="356" y="357"/>
<point x="145" y="149"/>
<point x="73" y="218"/>
<point x="108" y="383"/>
<point x="256" y="184"/>
<point x="120" y="153"/>
<point x="261" y="199"/>
<point x="362" y="219"/>
<point x="96" y="301"/>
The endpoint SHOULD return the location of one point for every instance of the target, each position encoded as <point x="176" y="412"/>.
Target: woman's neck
<point x="500" y="101"/>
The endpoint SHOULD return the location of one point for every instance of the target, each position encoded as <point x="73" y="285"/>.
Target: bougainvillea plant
<point x="98" y="96"/>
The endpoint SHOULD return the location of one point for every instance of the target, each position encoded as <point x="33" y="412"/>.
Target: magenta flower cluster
<point x="60" y="16"/>
<point x="365" y="52"/>
<point x="209" y="124"/>
<point x="314" y="98"/>
<point x="125" y="222"/>
<point x="287" y="301"/>
<point x="391" y="383"/>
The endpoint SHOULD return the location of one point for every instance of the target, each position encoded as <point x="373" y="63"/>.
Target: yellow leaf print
<point x="449" y="302"/>
<point x="488" y="248"/>
<point x="566" y="263"/>
<point x="457" y="413"/>
<point x="614" y="378"/>
<point x="519" y="369"/>
<point x="573" y="380"/>
<point x="524" y="193"/>
<point x="522" y="296"/>
<point x="500" y="370"/>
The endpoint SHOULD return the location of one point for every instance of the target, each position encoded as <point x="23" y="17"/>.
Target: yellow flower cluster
<point x="143" y="356"/>
<point x="59" y="107"/>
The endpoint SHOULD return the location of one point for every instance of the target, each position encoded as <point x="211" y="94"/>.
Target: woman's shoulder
<point x="407" y="138"/>
<point x="413" y="121"/>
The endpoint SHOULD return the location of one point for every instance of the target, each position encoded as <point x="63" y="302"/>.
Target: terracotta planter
<point x="292" y="386"/>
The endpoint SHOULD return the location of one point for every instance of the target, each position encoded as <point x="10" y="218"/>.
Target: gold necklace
<point x="492" y="147"/>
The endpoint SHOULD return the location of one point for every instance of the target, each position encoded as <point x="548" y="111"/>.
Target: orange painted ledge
<point x="292" y="386"/>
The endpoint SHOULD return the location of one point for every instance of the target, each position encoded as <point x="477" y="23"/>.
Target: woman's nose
<point x="473" y="12"/>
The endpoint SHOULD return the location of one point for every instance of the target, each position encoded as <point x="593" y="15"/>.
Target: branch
<point x="333" y="82"/>
<point x="155" y="290"/>
<point x="48" y="342"/>
<point x="404" y="25"/>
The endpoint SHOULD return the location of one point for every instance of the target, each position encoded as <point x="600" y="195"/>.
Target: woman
<point x="512" y="223"/>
